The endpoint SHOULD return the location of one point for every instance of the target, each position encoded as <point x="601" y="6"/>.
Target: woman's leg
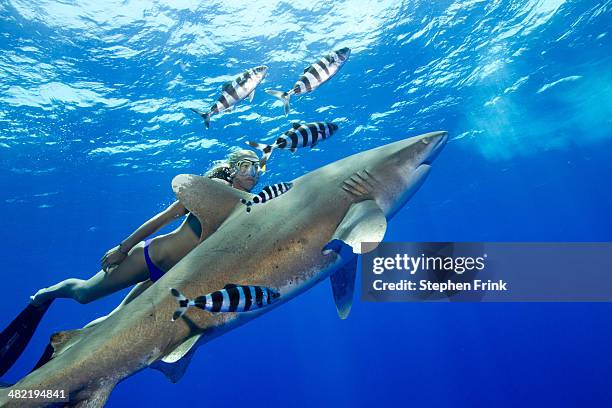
<point x="134" y="293"/>
<point x="129" y="272"/>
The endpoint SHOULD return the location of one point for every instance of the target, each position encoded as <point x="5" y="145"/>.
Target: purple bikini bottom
<point x="154" y="272"/>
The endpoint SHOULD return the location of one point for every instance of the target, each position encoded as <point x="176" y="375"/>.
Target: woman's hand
<point x="112" y="258"/>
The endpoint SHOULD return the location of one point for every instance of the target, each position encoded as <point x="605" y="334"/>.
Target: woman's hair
<point x="223" y="169"/>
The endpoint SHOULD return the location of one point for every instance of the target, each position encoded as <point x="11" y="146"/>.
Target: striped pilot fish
<point x="308" y="134"/>
<point x="314" y="76"/>
<point x="266" y="194"/>
<point x="232" y="298"/>
<point x="235" y="91"/>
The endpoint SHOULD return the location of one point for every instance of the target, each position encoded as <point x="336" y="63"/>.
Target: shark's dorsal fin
<point x="230" y="285"/>
<point x="295" y="125"/>
<point x="174" y="364"/>
<point x="209" y="200"/>
<point x="362" y="228"/>
<point x="343" y="284"/>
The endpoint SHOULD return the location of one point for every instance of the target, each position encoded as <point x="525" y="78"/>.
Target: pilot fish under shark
<point x="314" y="76"/>
<point x="307" y="134"/>
<point x="241" y="87"/>
<point x="232" y="298"/>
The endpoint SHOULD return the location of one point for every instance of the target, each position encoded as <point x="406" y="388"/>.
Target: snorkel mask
<point x="247" y="167"/>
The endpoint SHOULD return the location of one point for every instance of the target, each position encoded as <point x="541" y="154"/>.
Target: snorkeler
<point x="132" y="262"/>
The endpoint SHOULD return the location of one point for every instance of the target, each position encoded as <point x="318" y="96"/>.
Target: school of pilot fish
<point x="239" y="298"/>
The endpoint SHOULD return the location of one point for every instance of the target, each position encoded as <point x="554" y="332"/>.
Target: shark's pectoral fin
<point x="251" y="96"/>
<point x="210" y="201"/>
<point x="174" y="364"/>
<point x="362" y="228"/>
<point x="343" y="284"/>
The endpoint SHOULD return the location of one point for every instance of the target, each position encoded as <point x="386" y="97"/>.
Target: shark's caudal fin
<point x="265" y="149"/>
<point x="283" y="96"/>
<point x="204" y="115"/>
<point x="15" y="338"/>
<point x="183" y="302"/>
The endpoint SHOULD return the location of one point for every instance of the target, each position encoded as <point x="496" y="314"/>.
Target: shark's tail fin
<point x="283" y="96"/>
<point x="184" y="304"/>
<point x="204" y="115"/>
<point x="265" y="149"/>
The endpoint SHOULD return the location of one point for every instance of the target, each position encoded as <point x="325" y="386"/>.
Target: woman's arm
<point x="117" y="254"/>
<point x="153" y="225"/>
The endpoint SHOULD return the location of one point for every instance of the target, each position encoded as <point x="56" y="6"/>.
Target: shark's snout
<point x="438" y="141"/>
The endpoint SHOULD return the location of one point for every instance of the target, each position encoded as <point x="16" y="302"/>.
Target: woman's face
<point x="246" y="175"/>
<point x="245" y="182"/>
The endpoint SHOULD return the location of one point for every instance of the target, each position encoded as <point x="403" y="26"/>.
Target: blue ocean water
<point x="95" y="123"/>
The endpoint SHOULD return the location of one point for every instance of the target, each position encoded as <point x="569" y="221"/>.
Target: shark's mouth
<point x="436" y="150"/>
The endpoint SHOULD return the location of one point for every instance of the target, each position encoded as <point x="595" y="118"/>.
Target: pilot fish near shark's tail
<point x="266" y="194"/>
<point x="308" y="134"/>
<point x="232" y="298"/>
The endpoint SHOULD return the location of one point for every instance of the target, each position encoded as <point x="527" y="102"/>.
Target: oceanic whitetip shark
<point x="329" y="215"/>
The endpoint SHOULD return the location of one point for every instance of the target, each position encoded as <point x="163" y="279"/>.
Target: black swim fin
<point x="15" y="338"/>
<point x="46" y="356"/>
